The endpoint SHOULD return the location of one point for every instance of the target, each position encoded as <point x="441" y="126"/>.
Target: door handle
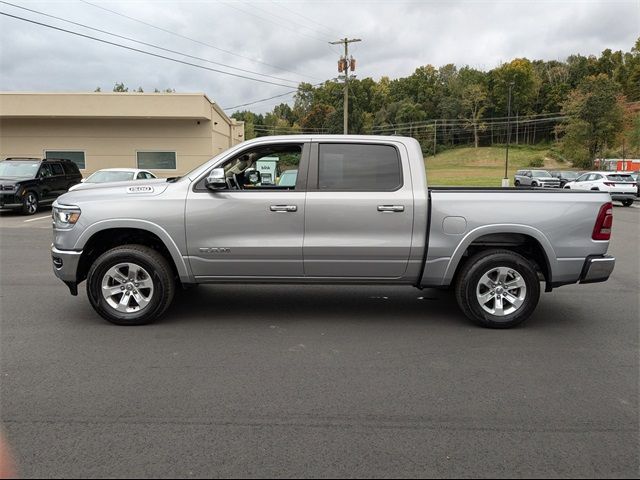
<point x="391" y="208"/>
<point x="283" y="208"/>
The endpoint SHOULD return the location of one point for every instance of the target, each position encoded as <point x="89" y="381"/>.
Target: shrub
<point x="537" y="162"/>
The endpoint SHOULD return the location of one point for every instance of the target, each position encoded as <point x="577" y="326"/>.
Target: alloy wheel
<point x="501" y="291"/>
<point x="127" y="288"/>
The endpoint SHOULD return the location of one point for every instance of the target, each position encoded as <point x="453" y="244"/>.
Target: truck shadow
<point x="277" y="303"/>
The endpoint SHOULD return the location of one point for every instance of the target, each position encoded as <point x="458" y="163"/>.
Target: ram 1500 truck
<point x="359" y="212"/>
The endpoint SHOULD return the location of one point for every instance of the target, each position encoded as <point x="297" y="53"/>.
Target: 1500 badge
<point x="141" y="189"/>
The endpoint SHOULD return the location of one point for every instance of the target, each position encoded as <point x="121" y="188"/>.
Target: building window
<point x="76" y="157"/>
<point x="157" y="160"/>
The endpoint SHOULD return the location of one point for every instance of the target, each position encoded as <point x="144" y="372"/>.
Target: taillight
<point x="604" y="222"/>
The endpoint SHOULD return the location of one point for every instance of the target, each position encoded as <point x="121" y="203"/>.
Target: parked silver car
<point x="535" y="178"/>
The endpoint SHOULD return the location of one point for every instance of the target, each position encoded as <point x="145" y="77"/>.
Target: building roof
<point x="193" y="106"/>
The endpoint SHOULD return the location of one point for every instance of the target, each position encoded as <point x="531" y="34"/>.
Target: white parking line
<point x="36" y="219"/>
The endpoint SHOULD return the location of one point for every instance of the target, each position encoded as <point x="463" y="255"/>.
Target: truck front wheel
<point x="130" y="285"/>
<point x="497" y="288"/>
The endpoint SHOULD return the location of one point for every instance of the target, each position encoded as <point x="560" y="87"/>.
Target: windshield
<point x="541" y="173"/>
<point x="288" y="178"/>
<point x="12" y="169"/>
<point x="110" y="176"/>
<point x="569" y="175"/>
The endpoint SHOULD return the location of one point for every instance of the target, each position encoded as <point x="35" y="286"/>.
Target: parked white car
<point x="622" y="187"/>
<point x="109" y="175"/>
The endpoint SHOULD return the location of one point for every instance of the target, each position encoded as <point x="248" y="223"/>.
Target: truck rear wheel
<point x="498" y="288"/>
<point x="130" y="285"/>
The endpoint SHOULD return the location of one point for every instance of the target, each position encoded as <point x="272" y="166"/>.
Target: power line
<point x="143" y="51"/>
<point x="268" y="98"/>
<point x="147" y="44"/>
<point x="272" y="21"/>
<point x="261" y="100"/>
<point x="330" y="30"/>
<point x="288" y="20"/>
<point x="195" y="40"/>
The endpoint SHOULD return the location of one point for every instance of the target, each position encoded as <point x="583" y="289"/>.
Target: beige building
<point x="167" y="133"/>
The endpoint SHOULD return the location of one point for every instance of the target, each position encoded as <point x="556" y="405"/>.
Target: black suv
<point x="26" y="183"/>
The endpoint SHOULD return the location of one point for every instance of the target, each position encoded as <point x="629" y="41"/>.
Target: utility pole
<point x="346" y="64"/>
<point x="505" y="180"/>
<point x="435" y="133"/>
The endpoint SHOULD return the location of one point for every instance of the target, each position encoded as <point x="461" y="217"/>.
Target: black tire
<point x="159" y="271"/>
<point x="627" y="203"/>
<point x="534" y="184"/>
<point x="470" y="276"/>
<point x="517" y="183"/>
<point x="30" y="203"/>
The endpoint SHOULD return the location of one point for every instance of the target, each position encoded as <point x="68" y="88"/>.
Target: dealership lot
<point x="250" y="381"/>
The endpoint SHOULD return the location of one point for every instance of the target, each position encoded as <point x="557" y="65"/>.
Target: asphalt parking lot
<point x="317" y="381"/>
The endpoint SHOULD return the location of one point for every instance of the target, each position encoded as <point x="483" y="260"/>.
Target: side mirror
<point x="216" y="180"/>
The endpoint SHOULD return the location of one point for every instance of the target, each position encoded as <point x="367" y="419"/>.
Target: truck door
<point x="359" y="211"/>
<point x="248" y="230"/>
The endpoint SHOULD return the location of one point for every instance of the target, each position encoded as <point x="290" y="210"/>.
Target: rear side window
<point x="75" y="157"/>
<point x="70" y="168"/>
<point x="358" y="167"/>
<point x="57" y="169"/>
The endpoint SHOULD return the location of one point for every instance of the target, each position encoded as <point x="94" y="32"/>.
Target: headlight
<point x="65" y="217"/>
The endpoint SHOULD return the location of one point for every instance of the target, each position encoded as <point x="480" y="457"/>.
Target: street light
<point x="505" y="180"/>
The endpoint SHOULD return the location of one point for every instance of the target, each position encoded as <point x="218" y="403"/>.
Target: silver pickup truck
<point x="358" y="212"/>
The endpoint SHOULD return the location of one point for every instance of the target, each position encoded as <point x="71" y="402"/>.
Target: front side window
<point x="157" y="160"/>
<point x="75" y="157"/>
<point x="261" y="167"/>
<point x="45" y="171"/>
<point x="357" y="167"/>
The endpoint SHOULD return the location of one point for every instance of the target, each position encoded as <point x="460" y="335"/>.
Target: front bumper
<point x="10" y="200"/>
<point x="597" y="268"/>
<point x="65" y="267"/>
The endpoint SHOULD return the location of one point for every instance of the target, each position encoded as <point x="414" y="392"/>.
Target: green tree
<point x="474" y="98"/>
<point x="120" y="88"/>
<point x="595" y="117"/>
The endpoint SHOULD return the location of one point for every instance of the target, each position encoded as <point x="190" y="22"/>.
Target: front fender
<point x="184" y="271"/>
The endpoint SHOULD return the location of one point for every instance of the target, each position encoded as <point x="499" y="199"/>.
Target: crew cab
<point x="359" y="212"/>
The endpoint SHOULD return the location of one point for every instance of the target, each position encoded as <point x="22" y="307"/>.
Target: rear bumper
<point x="597" y="268"/>
<point x="623" y="196"/>
<point x="65" y="267"/>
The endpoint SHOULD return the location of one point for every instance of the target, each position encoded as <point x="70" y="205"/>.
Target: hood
<point x="12" y="180"/>
<point x="129" y="191"/>
<point x="127" y="183"/>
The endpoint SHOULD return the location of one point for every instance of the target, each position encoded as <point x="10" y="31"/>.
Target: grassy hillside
<point x="483" y="166"/>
